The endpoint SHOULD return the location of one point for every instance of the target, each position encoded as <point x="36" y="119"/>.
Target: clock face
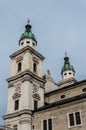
<point x="18" y="88"/>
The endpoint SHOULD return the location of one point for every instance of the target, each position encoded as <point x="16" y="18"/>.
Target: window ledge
<point x="75" y="126"/>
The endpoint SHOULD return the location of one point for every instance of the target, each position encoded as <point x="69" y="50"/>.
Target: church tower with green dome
<point x="25" y="84"/>
<point x="28" y="38"/>
<point x="67" y="72"/>
<point x="67" y="69"/>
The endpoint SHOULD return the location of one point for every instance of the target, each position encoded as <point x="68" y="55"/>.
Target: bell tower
<point x="67" y="72"/>
<point x="26" y="83"/>
<point x="67" y="69"/>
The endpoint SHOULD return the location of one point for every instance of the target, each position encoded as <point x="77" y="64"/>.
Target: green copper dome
<point x="67" y="65"/>
<point x="28" y="33"/>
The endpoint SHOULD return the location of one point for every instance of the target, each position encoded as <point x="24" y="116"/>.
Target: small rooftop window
<point x="65" y="73"/>
<point x="84" y="90"/>
<point x="62" y="96"/>
<point x="22" y="43"/>
<point x="33" y="44"/>
<point x="27" y="41"/>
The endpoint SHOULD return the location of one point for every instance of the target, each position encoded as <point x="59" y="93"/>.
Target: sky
<point x="59" y="26"/>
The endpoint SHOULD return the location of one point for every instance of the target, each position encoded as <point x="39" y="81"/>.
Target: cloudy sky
<point x="59" y="26"/>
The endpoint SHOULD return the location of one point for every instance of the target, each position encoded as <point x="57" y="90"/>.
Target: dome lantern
<point x="28" y="38"/>
<point x="67" y="69"/>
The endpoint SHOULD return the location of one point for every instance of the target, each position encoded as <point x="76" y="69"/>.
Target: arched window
<point x="19" y="66"/>
<point x="16" y="105"/>
<point x="35" y="104"/>
<point x="35" y="67"/>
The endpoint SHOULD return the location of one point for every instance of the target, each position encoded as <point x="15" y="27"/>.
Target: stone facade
<point x="59" y="116"/>
<point x="68" y="91"/>
<point x="34" y="102"/>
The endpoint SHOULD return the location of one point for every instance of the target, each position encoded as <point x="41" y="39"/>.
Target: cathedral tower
<point x="67" y="72"/>
<point x="67" y="69"/>
<point x="26" y="84"/>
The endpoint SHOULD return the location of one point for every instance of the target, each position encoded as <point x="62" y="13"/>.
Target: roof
<point x="28" y="33"/>
<point x="67" y="65"/>
<point x="66" y="87"/>
<point x="62" y="102"/>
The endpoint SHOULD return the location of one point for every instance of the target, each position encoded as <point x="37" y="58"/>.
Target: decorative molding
<point x="25" y="120"/>
<point x="27" y="48"/>
<point x="67" y="82"/>
<point x="36" y="96"/>
<point x="25" y="74"/>
<point x="27" y="78"/>
<point x="36" y="60"/>
<point x="42" y="85"/>
<point x="20" y="58"/>
<point x="17" y="88"/>
<point x="35" y="88"/>
<point x="16" y="95"/>
<point x="18" y="113"/>
<point x="30" y="51"/>
<point x="76" y="99"/>
<point x="6" y="127"/>
<point x="10" y="85"/>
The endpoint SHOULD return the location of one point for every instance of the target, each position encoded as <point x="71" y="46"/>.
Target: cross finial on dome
<point x="48" y="72"/>
<point x="65" y="53"/>
<point x="28" y="26"/>
<point x="28" y="20"/>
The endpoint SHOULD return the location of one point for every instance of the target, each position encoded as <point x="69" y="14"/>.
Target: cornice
<point x="72" y="86"/>
<point x="26" y="49"/>
<point x="17" y="113"/>
<point x="69" y="81"/>
<point x="26" y="76"/>
<point x="58" y="104"/>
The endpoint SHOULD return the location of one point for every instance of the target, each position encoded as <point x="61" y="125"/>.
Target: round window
<point x="62" y="96"/>
<point x="84" y="90"/>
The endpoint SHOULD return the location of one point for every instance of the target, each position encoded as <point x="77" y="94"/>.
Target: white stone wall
<point x="10" y="107"/>
<point x="40" y="71"/>
<point x="59" y="116"/>
<point x="25" y="126"/>
<point x="26" y="99"/>
<point x="49" y="85"/>
<point x="23" y="122"/>
<point x="26" y="96"/>
<point x="68" y="74"/>
<point x="26" y="61"/>
<point x="41" y="101"/>
<point x="24" y="43"/>
<point x="40" y="91"/>
<point x="27" y="64"/>
<point x="13" y="67"/>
